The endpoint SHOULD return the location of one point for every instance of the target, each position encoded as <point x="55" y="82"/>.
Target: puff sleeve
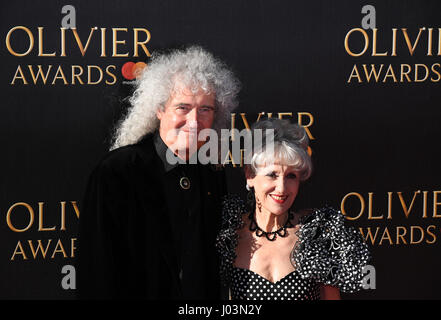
<point x="226" y="242"/>
<point x="330" y="252"/>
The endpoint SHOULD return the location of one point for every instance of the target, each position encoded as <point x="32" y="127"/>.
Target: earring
<point x="247" y="187"/>
<point x="259" y="204"/>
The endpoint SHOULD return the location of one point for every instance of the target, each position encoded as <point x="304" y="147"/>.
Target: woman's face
<point x="275" y="186"/>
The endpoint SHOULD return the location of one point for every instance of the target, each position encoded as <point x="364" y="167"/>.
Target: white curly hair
<point x="193" y="67"/>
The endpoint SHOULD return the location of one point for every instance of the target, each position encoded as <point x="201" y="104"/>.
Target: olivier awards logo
<point x="394" y="218"/>
<point x="402" y="43"/>
<point x="31" y="220"/>
<point x="116" y="42"/>
<point x="380" y="210"/>
<point x="22" y="217"/>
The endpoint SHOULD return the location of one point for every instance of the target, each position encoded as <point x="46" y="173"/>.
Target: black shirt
<point x="184" y="189"/>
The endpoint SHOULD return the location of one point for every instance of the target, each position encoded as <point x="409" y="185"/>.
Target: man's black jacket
<point x="125" y="246"/>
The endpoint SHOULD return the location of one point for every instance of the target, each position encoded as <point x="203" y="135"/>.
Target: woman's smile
<point x="278" y="198"/>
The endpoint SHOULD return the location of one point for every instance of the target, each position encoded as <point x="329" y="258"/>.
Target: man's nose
<point x="193" y="115"/>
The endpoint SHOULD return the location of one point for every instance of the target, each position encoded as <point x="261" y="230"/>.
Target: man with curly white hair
<point x="148" y="225"/>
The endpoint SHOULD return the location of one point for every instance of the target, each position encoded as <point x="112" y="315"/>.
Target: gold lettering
<point x="59" y="70"/>
<point x="76" y="75"/>
<point x="409" y="44"/>
<point x="342" y="205"/>
<point x="439" y="41"/>
<point x="434" y="71"/>
<point x="31" y="216"/>
<point x="411" y="234"/>
<point x="103" y="42"/>
<point x="21" y="252"/>
<point x="142" y="44"/>
<point x="259" y="115"/>
<point x="432" y="234"/>
<point x="77" y="211"/>
<point x="22" y="77"/>
<point x="89" y="72"/>
<point x="389" y="205"/>
<point x="374" y="45"/>
<point x="403" y="204"/>
<point x="56" y="250"/>
<point x="306" y="126"/>
<point x="429" y="42"/>
<point x="405" y="73"/>
<point x="40" y="44"/>
<point x="394" y="42"/>
<point x="244" y="120"/>
<point x="72" y="249"/>
<point x="373" y="71"/>
<point x="369" y="234"/>
<point x="401" y="236"/>
<point x="63" y="215"/>
<point x="229" y="159"/>
<point x="63" y="42"/>
<point x="436" y="204"/>
<point x="357" y="75"/>
<point x="424" y="204"/>
<point x="370" y="216"/>
<point x="111" y="74"/>
<point x="390" y="73"/>
<point x="116" y="42"/>
<point x="80" y="43"/>
<point x="39" y="74"/>
<point x="416" y="72"/>
<point x="233" y="122"/>
<point x="388" y="237"/>
<point x="242" y="156"/>
<point x="8" y="41"/>
<point x="40" y="219"/>
<point x="366" y="42"/>
<point x="39" y="248"/>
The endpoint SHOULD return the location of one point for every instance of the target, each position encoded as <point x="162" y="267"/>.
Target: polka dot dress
<point x="327" y="252"/>
<point x="248" y="285"/>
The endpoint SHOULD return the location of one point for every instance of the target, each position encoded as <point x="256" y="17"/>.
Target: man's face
<point x="184" y="115"/>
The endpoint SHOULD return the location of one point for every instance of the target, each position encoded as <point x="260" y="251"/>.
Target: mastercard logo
<point x="131" y="70"/>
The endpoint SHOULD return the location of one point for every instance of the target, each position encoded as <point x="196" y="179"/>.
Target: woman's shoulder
<point x="329" y="250"/>
<point x="233" y="209"/>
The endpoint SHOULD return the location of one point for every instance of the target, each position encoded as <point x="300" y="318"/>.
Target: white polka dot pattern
<point x="248" y="285"/>
<point x="326" y="252"/>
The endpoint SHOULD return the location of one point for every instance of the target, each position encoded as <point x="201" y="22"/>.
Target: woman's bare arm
<point x="329" y="293"/>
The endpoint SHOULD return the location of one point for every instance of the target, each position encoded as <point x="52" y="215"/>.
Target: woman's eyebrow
<point x="266" y="171"/>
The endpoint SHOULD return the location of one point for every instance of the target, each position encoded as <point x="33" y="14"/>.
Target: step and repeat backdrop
<point x="362" y="77"/>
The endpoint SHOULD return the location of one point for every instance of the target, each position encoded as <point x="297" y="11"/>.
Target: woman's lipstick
<point x="278" y="198"/>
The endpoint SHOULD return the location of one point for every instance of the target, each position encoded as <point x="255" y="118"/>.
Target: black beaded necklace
<point x="271" y="236"/>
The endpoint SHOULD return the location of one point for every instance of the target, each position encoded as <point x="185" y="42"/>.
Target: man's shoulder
<point x="128" y="156"/>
